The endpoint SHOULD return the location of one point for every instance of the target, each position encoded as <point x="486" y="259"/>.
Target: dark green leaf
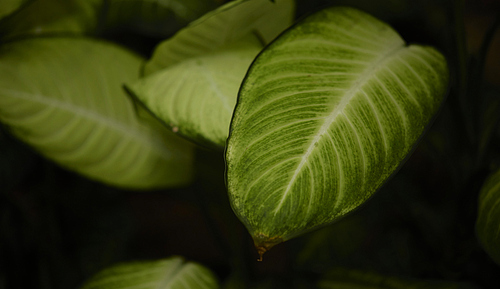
<point x="49" y="17"/>
<point x="158" y="18"/>
<point x="488" y="220"/>
<point x="7" y="7"/>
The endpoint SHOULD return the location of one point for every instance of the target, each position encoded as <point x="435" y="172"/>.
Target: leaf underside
<point x="64" y="97"/>
<point x="488" y="221"/>
<point x="326" y="113"/>
<point x="171" y="273"/>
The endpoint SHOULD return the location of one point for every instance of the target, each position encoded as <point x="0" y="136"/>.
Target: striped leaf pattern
<point x="64" y="97"/>
<point x="196" y="97"/>
<point x="222" y="27"/>
<point x="171" y="273"/>
<point x="326" y="113"/>
<point x="488" y="221"/>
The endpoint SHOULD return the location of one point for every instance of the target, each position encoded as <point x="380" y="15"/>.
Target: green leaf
<point x="326" y="113"/>
<point x="8" y="7"/>
<point x="50" y="17"/>
<point x="197" y="73"/>
<point x="351" y="279"/>
<point x="488" y="220"/>
<point x="64" y="97"/>
<point x="223" y="26"/>
<point x="159" y="18"/>
<point x="196" y="97"/>
<point x="168" y="273"/>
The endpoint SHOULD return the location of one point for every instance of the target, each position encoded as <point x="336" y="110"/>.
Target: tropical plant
<point x="353" y="155"/>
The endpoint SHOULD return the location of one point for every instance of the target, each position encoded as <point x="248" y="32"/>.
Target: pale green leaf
<point x="488" y="220"/>
<point x="326" y="113"/>
<point x="221" y="27"/>
<point x="351" y="279"/>
<point x="49" y="17"/>
<point x="159" y="18"/>
<point x="196" y="97"/>
<point x="8" y="7"/>
<point x="64" y="97"/>
<point x="171" y="273"/>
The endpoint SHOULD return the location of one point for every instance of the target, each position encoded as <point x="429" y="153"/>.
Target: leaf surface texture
<point x="326" y="113"/>
<point x="196" y="97"/>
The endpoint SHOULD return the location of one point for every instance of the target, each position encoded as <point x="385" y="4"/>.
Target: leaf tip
<point x="264" y="243"/>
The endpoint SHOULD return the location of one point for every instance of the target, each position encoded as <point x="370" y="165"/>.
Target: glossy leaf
<point x="196" y="97"/>
<point x="159" y="18"/>
<point x="350" y="279"/>
<point x="8" y="7"/>
<point x="488" y="221"/>
<point x="50" y="17"/>
<point x="171" y="273"/>
<point x="64" y="97"/>
<point x="223" y="26"/>
<point x="325" y="115"/>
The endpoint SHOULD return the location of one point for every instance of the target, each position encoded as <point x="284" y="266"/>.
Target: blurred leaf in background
<point x="52" y="17"/>
<point x="171" y="273"/>
<point x="11" y="6"/>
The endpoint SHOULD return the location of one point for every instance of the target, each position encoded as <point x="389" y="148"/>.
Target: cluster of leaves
<point x="313" y="118"/>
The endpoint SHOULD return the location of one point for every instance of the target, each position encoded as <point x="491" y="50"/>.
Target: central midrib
<point x="133" y="133"/>
<point x="362" y="80"/>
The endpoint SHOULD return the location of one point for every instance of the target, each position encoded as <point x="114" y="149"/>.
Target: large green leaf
<point x="488" y="220"/>
<point x="64" y="97"/>
<point x="49" y="17"/>
<point x="351" y="279"/>
<point x="7" y="7"/>
<point x="221" y="27"/>
<point x="171" y="273"/>
<point x="325" y="115"/>
<point x="196" y="97"/>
